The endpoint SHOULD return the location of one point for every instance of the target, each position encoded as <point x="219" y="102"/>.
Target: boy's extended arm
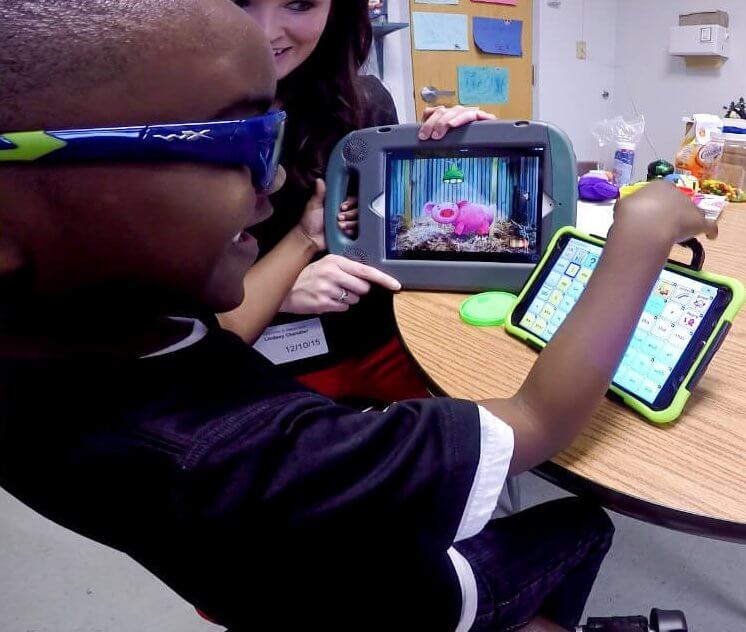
<point x="575" y="369"/>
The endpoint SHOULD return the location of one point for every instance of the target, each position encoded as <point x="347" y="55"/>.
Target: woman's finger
<point x="349" y="204"/>
<point x="349" y="282"/>
<point x="444" y="122"/>
<point x="348" y="216"/>
<point x="428" y="127"/>
<point x="368" y="273"/>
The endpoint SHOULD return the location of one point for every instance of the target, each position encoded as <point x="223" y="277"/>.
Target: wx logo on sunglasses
<point x="189" y="136"/>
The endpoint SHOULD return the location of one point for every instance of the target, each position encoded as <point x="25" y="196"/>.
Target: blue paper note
<point x="440" y="31"/>
<point x="478" y="85"/>
<point x="498" y="37"/>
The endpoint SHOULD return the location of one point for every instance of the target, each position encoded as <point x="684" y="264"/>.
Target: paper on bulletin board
<point x="479" y="85"/>
<point x="436" y="1"/>
<point x="510" y="3"/>
<point x="498" y="37"/>
<point x="440" y="31"/>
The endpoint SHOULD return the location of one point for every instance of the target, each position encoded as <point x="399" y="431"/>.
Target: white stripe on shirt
<point x="496" y="444"/>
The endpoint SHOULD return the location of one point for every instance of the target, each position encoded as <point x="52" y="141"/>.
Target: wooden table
<point x="690" y="475"/>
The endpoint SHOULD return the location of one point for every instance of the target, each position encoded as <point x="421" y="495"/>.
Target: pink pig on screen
<point x="466" y="217"/>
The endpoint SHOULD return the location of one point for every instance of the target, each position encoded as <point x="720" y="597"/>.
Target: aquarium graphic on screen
<point x="469" y="205"/>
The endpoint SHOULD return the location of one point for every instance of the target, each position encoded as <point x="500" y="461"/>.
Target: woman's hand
<point x="347" y="217"/>
<point x="436" y="121"/>
<point x="312" y="221"/>
<point x="332" y="284"/>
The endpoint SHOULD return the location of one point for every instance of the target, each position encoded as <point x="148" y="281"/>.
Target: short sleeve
<point x="496" y="452"/>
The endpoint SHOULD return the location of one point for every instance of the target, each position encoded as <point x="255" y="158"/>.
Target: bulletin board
<point x="501" y="77"/>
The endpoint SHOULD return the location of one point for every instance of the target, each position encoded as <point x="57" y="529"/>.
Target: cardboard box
<point x="705" y="17"/>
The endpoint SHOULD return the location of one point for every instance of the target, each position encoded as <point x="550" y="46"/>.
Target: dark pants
<point x="542" y="561"/>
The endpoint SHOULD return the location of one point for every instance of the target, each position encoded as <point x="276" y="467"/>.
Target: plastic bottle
<point x="624" y="161"/>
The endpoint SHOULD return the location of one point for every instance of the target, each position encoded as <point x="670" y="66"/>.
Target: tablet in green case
<point x="685" y="320"/>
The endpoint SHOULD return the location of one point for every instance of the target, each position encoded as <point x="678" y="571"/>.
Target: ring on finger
<point x="343" y="296"/>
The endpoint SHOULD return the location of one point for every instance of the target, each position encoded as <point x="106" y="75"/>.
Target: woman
<point x="342" y="309"/>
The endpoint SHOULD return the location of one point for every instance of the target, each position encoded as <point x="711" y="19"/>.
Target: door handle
<point x="431" y="94"/>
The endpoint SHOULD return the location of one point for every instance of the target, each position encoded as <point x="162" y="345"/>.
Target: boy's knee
<point x="592" y="518"/>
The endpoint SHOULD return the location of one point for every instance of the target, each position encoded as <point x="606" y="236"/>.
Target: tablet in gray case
<point x="472" y="211"/>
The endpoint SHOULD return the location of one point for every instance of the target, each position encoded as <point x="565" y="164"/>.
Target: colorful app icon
<point x="680" y="337"/>
<point x="572" y="270"/>
<point x="540" y="325"/>
<point x="591" y="261"/>
<point x="664" y="289"/>
<point x="690" y="320"/>
<point x="553" y="278"/>
<point x="662" y="329"/>
<point x="672" y="312"/>
<point x="555" y="298"/>
<point x="564" y="283"/>
<point x="669" y="355"/>
<point x="584" y="275"/>
<point x="568" y="302"/>
<point x="547" y="313"/>
<point x="655" y="305"/>
<point x="576" y="289"/>
<point x="647" y="321"/>
<point x="536" y="307"/>
<point x="682" y="295"/>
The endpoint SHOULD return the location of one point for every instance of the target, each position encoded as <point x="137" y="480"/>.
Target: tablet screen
<point x="465" y="205"/>
<point x="669" y="326"/>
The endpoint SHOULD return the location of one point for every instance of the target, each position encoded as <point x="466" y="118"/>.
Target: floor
<point x="54" y="581"/>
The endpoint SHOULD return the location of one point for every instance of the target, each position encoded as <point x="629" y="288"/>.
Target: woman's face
<point x="294" y="28"/>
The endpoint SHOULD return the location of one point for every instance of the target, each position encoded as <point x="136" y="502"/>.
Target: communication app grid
<point x="674" y="311"/>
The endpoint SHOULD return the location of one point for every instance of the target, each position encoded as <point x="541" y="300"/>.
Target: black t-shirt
<point x="369" y="324"/>
<point x="263" y="504"/>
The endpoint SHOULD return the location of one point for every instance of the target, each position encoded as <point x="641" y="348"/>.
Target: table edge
<point x="646" y="511"/>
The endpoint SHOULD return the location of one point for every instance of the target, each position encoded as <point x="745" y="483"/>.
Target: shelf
<point x="379" y="32"/>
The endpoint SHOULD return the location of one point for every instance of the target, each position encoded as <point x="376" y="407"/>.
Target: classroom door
<point x="439" y="69"/>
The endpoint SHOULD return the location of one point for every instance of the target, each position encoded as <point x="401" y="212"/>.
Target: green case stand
<point x="703" y="359"/>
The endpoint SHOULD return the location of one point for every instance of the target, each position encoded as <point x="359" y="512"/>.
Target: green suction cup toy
<point x="488" y="309"/>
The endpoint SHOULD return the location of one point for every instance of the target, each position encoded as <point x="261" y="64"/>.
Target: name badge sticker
<point x="294" y="341"/>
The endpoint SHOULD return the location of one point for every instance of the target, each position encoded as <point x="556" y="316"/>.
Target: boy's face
<point x="168" y="227"/>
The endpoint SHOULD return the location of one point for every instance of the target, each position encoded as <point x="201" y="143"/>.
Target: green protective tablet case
<point x="713" y="343"/>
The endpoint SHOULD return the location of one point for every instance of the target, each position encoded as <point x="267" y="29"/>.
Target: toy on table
<point x="487" y="309"/>
<point x="659" y="169"/>
<point x="717" y="187"/>
<point x="702" y="147"/>
<point x="596" y="189"/>
<point x="472" y="211"/>
<point x="736" y="109"/>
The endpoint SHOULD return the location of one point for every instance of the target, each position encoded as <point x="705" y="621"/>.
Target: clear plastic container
<point x="732" y="166"/>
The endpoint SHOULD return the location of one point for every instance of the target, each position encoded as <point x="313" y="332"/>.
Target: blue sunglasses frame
<point x="253" y="142"/>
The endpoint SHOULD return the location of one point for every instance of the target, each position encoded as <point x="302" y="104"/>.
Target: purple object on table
<point x="592" y="189"/>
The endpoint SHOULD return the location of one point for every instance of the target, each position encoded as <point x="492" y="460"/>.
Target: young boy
<point x="264" y="504"/>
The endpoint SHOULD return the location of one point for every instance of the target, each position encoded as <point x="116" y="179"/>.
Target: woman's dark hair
<point x="322" y="97"/>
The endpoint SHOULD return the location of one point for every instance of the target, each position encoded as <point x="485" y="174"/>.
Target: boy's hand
<point x="660" y="209"/>
<point x="312" y="222"/>
<point x="332" y="284"/>
<point x="347" y="218"/>
<point x="436" y="121"/>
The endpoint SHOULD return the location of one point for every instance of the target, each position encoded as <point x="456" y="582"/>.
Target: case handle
<point x="698" y="255"/>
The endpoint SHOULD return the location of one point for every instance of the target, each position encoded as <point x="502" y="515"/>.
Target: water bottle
<point x="624" y="161"/>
